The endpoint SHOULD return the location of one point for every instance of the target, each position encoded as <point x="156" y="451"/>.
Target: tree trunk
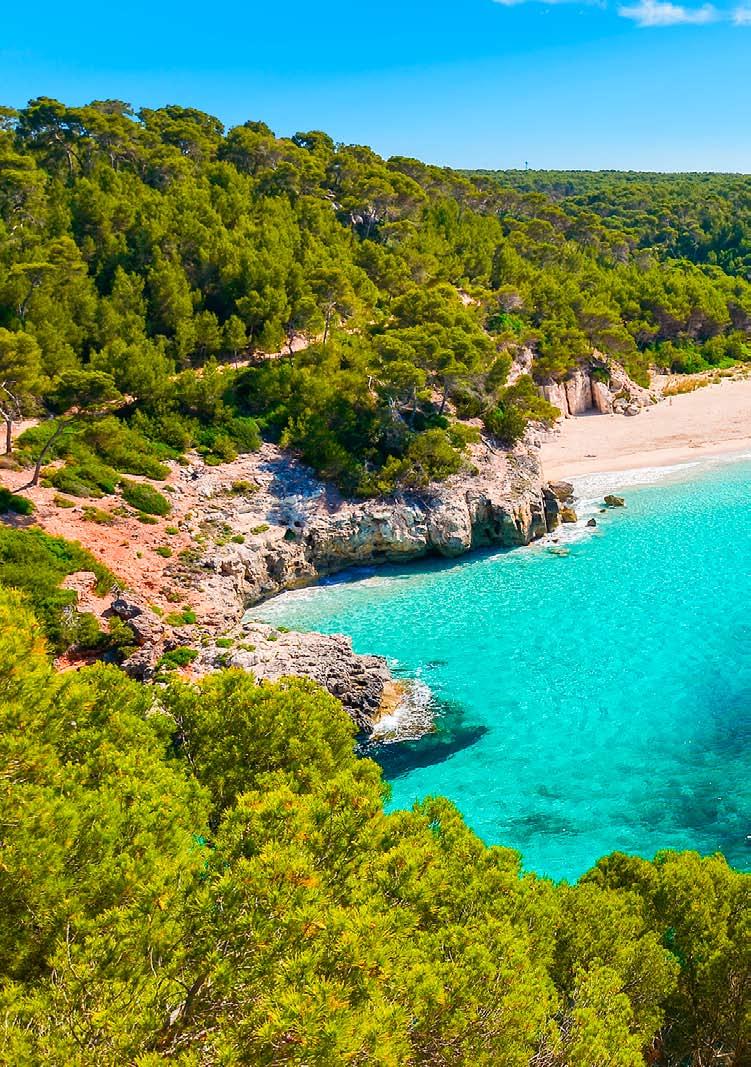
<point x="45" y="449"/>
<point x="8" y="435"/>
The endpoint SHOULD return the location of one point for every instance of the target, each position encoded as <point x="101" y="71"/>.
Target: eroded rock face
<point x="601" y="385"/>
<point x="502" y="503"/>
<point x="579" y="392"/>
<point x="359" y="682"/>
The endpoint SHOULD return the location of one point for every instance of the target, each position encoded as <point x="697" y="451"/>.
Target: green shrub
<point x="36" y="563"/>
<point x="507" y="424"/>
<point x="163" y="550"/>
<point x="97" y="515"/>
<point x="147" y="520"/>
<point x="124" y="448"/>
<point x="186" y="617"/>
<point x="244" y="487"/>
<point x="19" y="505"/>
<point x="144" y="498"/>
<point x="177" y="657"/>
<point x="264" y="526"/>
<point x="63" y="502"/>
<point x="224" y="642"/>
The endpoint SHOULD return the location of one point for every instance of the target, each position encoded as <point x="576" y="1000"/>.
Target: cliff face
<point x="502" y="503"/>
<point x="603" y="386"/>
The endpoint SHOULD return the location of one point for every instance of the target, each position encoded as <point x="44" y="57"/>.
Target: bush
<point x="507" y="424"/>
<point x="241" y="487"/>
<point x="34" y="562"/>
<point x="144" y="498"/>
<point x="124" y="448"/>
<point x="178" y="657"/>
<point x="97" y="515"/>
<point x="163" y="550"/>
<point x="19" y="505"/>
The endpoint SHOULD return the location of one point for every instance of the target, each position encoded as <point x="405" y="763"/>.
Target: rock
<point x="615" y="501"/>
<point x="361" y="683"/>
<point x="591" y="522"/>
<point x="563" y="490"/>
<point x="579" y="392"/>
<point x="555" y="394"/>
<point x="502" y="503"/>
<point x="552" y="508"/>
<point x="142" y="664"/>
<point x="568" y="515"/>
<point x="126" y="609"/>
<point x="601" y="384"/>
<point x="146" y="626"/>
<point x="602" y="398"/>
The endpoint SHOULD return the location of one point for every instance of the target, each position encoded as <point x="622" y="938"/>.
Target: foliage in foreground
<point x="206" y="875"/>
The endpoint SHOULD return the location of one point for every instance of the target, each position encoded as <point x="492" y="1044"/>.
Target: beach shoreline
<point x="712" y="421"/>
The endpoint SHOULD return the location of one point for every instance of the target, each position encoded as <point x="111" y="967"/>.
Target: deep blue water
<point x="593" y="701"/>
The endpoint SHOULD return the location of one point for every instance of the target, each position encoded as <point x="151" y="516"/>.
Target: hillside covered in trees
<point x="137" y="249"/>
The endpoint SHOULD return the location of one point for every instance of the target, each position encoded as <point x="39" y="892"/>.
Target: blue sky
<point x="633" y="84"/>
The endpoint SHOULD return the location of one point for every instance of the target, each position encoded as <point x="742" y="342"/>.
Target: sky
<point x="613" y="84"/>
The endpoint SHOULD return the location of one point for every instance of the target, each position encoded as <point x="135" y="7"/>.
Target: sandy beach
<point x="713" y="420"/>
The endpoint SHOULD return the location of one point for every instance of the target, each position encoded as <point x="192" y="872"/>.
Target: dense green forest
<point x="205" y="874"/>
<point x="139" y="248"/>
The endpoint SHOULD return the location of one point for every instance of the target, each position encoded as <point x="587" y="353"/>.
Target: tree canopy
<point x="204" y="874"/>
<point x="150" y="245"/>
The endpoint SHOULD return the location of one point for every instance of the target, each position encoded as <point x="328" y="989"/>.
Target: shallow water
<point x="593" y="701"/>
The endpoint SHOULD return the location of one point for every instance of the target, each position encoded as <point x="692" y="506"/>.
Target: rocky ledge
<point x="362" y="683"/>
<point x="308" y="531"/>
<point x="272" y="525"/>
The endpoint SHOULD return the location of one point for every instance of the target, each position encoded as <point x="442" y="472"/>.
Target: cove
<point x="592" y="701"/>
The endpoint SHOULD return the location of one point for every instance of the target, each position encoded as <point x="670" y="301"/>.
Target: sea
<point x="589" y="693"/>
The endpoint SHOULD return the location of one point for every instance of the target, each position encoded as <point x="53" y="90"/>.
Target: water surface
<point x="594" y="701"/>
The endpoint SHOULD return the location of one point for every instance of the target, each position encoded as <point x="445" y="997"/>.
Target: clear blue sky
<point x="635" y="84"/>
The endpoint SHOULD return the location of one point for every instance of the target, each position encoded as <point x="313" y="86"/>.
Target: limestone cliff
<point x="601" y="385"/>
<point x="311" y="532"/>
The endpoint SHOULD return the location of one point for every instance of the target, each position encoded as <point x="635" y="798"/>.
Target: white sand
<point x="713" y="420"/>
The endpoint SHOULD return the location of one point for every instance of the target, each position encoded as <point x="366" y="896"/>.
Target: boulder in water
<point x="568" y="515"/>
<point x="592" y="522"/>
<point x="613" y="501"/>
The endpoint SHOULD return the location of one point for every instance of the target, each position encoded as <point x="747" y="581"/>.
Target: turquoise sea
<point x="588" y="701"/>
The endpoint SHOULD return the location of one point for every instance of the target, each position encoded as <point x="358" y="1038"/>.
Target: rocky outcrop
<point x="601" y="385"/>
<point x="361" y="683"/>
<point x="501" y="502"/>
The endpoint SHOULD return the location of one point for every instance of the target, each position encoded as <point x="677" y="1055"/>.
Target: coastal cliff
<point x="309" y="532"/>
<point x="601" y="385"/>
